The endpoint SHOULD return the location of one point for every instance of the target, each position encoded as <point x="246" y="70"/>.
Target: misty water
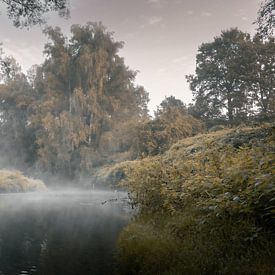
<point x="63" y="232"/>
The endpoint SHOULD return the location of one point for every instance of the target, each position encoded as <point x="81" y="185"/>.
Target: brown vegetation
<point x="16" y="182"/>
<point x="206" y="206"/>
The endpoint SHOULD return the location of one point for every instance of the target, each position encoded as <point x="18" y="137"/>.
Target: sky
<point x="161" y="36"/>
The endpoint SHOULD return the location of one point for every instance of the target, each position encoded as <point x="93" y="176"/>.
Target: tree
<point x="266" y="18"/>
<point x="78" y="108"/>
<point x="17" y="143"/>
<point x="86" y="97"/>
<point x="171" y="123"/>
<point x="263" y="77"/>
<point x="220" y="85"/>
<point x="168" y="105"/>
<point x="26" y="13"/>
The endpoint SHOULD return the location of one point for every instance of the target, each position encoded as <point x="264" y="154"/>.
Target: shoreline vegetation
<point x="206" y="206"/>
<point x="205" y="201"/>
<point x="13" y="181"/>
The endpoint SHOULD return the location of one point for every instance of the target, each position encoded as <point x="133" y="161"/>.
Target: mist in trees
<point x="65" y="114"/>
<point x="203" y="199"/>
<point x="81" y="109"/>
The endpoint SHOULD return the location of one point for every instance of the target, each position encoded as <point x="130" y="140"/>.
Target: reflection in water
<point x="60" y="232"/>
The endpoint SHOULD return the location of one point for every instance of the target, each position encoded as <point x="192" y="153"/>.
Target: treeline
<point x="235" y="79"/>
<point x="81" y="109"/>
<point x="68" y="114"/>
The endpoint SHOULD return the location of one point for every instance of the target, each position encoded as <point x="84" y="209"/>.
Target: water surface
<point x="65" y="232"/>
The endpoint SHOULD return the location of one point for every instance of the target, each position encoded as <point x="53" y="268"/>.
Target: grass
<point x="161" y="244"/>
<point x="12" y="181"/>
<point x="207" y="206"/>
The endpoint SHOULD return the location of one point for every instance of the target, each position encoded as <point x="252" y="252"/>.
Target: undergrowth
<point x="206" y="206"/>
<point x="14" y="182"/>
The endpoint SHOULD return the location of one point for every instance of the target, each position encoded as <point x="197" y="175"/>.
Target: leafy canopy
<point x="31" y="12"/>
<point x="234" y="78"/>
<point x="266" y="18"/>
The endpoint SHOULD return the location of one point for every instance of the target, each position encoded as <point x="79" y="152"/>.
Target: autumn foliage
<point x="206" y="205"/>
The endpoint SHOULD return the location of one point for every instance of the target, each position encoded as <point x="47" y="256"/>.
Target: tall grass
<point x="207" y="206"/>
<point x="12" y="181"/>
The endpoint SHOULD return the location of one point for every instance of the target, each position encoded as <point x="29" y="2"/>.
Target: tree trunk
<point x="230" y="110"/>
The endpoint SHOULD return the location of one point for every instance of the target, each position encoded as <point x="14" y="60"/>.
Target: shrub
<point x="15" y="182"/>
<point x="212" y="198"/>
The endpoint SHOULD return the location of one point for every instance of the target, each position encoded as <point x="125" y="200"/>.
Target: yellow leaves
<point x="202" y="172"/>
<point x="79" y="101"/>
<point x="208" y="197"/>
<point x="15" y="181"/>
<point x="156" y="136"/>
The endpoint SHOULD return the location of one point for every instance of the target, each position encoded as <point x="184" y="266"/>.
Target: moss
<point x="12" y="181"/>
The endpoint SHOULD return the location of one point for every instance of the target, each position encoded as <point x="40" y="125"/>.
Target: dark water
<point x="60" y="232"/>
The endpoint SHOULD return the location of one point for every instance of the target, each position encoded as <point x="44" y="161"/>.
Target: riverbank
<point x="206" y="206"/>
<point x="13" y="181"/>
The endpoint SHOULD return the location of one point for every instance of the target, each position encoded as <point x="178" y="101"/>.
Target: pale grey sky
<point x="161" y="36"/>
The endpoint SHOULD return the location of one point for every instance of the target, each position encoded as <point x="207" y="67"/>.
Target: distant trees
<point x="77" y="103"/>
<point x="81" y="108"/>
<point x="86" y="92"/>
<point x="26" y="13"/>
<point x="16" y="139"/>
<point x="262" y="81"/>
<point x="234" y="79"/>
<point x="171" y="123"/>
<point x="175" y="121"/>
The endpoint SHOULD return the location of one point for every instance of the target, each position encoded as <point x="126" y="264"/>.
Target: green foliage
<point x="181" y="244"/>
<point x="171" y="123"/>
<point x="210" y="199"/>
<point x="75" y="111"/>
<point x="150" y="137"/>
<point x="266" y="18"/>
<point x="16" y="138"/>
<point x="87" y="93"/>
<point x="14" y="181"/>
<point x="234" y="79"/>
<point x="262" y="77"/>
<point x="31" y="12"/>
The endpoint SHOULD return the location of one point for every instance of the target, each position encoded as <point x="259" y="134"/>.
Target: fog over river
<point x="61" y="232"/>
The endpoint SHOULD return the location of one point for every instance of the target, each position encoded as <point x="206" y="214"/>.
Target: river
<point x="61" y="232"/>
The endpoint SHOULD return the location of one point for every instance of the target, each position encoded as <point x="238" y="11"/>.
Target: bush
<point x="212" y="198"/>
<point x="15" y="182"/>
<point x="171" y="123"/>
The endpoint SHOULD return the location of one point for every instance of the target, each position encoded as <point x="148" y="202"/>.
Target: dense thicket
<point x="206" y="206"/>
<point x="26" y="13"/>
<point x="68" y="114"/>
<point x="16" y="182"/>
<point x="17" y="140"/>
<point x="80" y="109"/>
<point x="234" y="79"/>
<point x="266" y="18"/>
<point x="170" y="124"/>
